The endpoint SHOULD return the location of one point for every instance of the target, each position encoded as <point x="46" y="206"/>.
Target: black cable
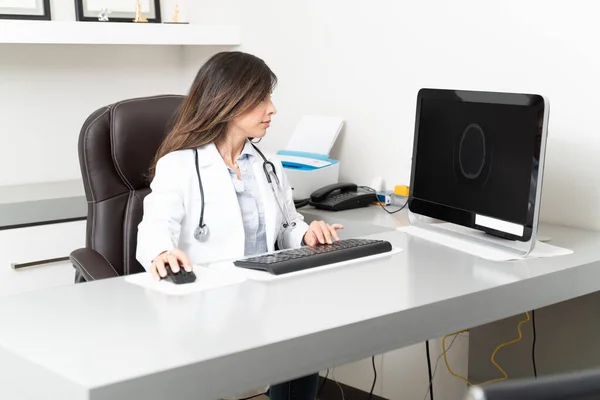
<point x="322" y="384"/>
<point x="374" y="377"/>
<point x="533" y="344"/>
<point x="381" y="204"/>
<point x="429" y="370"/>
<point x="437" y="363"/>
<point x="392" y="212"/>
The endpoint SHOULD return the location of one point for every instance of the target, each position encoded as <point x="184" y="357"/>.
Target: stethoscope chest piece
<point x="201" y="233"/>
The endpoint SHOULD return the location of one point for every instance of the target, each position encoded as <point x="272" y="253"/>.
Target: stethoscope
<point x="201" y="231"/>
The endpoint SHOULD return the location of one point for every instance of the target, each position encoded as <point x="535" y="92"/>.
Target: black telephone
<point x="341" y="196"/>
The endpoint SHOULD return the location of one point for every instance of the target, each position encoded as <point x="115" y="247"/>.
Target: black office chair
<point x="580" y="385"/>
<point x="116" y="146"/>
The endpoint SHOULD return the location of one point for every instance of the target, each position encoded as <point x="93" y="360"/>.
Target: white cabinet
<point x="24" y="250"/>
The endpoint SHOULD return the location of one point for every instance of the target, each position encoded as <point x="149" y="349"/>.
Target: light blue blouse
<point x="251" y="205"/>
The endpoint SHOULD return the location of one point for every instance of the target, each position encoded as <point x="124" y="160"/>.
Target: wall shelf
<point x="115" y="33"/>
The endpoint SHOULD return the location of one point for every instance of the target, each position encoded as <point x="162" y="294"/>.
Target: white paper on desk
<point x="494" y="254"/>
<point x="267" y="277"/>
<point x="206" y="278"/>
<point x="315" y="134"/>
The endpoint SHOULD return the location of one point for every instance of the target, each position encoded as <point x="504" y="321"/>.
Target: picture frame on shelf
<point x="25" y="9"/>
<point x="134" y="11"/>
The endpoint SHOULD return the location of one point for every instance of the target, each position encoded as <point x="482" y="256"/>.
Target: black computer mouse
<point x="181" y="277"/>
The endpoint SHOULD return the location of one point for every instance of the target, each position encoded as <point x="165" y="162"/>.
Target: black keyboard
<point x="286" y="261"/>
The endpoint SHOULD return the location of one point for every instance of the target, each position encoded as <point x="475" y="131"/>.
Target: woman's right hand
<point x="172" y="258"/>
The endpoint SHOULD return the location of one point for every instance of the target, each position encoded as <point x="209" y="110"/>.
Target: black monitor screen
<point x="476" y="158"/>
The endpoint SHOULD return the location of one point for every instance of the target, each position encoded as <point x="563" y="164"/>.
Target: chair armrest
<point x="92" y="265"/>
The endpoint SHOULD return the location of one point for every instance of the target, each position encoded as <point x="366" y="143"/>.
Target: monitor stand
<point x="499" y="235"/>
<point x="472" y="240"/>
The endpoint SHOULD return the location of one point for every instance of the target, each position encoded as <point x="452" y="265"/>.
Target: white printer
<point x="306" y="158"/>
<point x="308" y="172"/>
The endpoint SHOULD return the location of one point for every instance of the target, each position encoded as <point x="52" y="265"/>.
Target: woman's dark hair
<point x="228" y="85"/>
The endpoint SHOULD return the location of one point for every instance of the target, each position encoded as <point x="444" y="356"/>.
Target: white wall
<point x="47" y="91"/>
<point x="366" y="61"/>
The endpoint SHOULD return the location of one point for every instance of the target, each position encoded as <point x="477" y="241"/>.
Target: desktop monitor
<point x="478" y="160"/>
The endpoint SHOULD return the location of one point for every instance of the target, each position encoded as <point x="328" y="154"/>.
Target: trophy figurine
<point x="175" y="17"/>
<point x="176" y="13"/>
<point x="103" y="16"/>
<point x="139" y="17"/>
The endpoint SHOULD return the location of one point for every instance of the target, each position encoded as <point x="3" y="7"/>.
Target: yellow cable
<point x="444" y="351"/>
<point x="492" y="359"/>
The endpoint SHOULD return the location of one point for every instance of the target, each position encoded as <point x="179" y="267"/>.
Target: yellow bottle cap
<point x="401" y="190"/>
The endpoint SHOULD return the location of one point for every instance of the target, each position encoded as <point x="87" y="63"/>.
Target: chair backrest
<point x="117" y="144"/>
<point x="574" y="385"/>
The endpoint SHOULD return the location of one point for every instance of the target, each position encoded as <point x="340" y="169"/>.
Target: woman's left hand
<point x="320" y="232"/>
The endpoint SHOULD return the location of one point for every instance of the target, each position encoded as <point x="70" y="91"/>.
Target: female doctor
<point x="214" y="195"/>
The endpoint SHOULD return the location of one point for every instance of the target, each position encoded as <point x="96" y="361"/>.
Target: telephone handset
<point x="341" y="196"/>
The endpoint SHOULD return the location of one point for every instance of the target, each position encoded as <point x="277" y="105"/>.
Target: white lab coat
<point x="172" y="209"/>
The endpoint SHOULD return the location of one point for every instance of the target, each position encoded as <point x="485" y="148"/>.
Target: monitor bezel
<point x="467" y="217"/>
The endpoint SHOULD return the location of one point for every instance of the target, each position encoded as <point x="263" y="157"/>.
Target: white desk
<point x="112" y="340"/>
